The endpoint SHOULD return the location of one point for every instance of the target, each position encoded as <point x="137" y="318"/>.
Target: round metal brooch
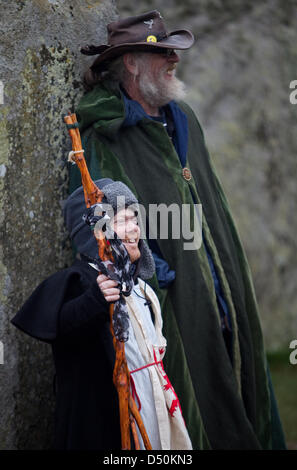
<point x="187" y="174"/>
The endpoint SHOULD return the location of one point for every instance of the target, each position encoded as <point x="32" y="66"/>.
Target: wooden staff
<point x="121" y="376"/>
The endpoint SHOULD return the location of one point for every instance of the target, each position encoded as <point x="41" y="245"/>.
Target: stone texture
<point x="40" y="69"/>
<point x="238" y="75"/>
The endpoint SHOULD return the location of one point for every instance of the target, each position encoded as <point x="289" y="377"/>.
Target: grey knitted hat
<point x="118" y="196"/>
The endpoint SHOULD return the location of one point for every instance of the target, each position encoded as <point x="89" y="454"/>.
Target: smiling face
<point x="162" y="63"/>
<point x="157" y="81"/>
<point x="151" y="79"/>
<point x="125" y="225"/>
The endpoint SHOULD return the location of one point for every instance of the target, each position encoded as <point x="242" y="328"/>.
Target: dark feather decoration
<point x="120" y="270"/>
<point x="90" y="49"/>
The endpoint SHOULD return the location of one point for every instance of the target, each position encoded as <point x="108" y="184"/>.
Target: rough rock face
<point x="238" y="75"/>
<point x="40" y="72"/>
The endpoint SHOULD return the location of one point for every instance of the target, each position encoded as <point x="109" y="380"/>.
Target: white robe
<point x="160" y="408"/>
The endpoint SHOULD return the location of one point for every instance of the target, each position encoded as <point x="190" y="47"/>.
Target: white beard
<point x="158" y="92"/>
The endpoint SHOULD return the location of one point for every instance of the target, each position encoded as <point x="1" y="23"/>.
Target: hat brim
<point x="180" y="40"/>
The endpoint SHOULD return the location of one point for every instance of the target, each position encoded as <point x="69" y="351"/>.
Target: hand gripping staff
<point x="114" y="262"/>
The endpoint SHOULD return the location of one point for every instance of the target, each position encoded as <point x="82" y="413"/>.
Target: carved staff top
<point x="113" y="260"/>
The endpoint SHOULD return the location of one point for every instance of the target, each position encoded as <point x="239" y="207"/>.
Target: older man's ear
<point x="131" y="64"/>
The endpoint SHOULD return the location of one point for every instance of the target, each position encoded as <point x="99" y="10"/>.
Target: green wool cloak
<point x="224" y="406"/>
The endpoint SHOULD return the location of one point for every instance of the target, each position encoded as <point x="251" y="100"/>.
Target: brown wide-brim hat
<point x="137" y="33"/>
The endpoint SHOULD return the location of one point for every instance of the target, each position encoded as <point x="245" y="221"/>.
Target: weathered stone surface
<point x="40" y="69"/>
<point x="238" y="75"/>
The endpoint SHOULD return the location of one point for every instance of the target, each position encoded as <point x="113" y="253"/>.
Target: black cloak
<point x="69" y="311"/>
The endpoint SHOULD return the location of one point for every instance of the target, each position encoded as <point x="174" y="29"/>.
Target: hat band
<point x="157" y="38"/>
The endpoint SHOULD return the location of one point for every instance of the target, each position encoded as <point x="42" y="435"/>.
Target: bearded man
<point x="136" y="129"/>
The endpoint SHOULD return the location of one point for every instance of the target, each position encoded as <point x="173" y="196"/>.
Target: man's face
<point x="157" y="82"/>
<point x="125" y="225"/>
<point x="162" y="65"/>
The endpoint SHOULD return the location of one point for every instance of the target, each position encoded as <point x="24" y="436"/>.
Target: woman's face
<point x="125" y="224"/>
